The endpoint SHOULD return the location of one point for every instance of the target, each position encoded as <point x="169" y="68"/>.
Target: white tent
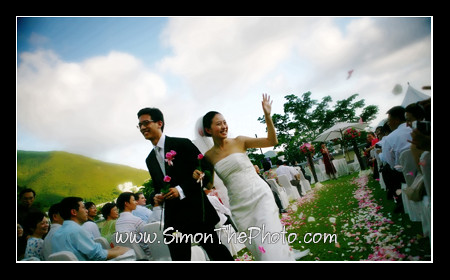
<point x="337" y="130"/>
<point x="412" y="95"/>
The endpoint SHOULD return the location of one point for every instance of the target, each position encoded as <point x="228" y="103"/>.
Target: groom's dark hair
<point x="154" y="113"/>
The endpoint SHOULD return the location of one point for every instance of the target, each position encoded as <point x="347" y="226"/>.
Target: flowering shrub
<point x="351" y="134"/>
<point x="307" y="148"/>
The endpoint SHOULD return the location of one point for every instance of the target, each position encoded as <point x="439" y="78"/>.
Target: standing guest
<point x="37" y="224"/>
<point x="393" y="145"/>
<point x="90" y="224"/>
<point x="414" y="112"/>
<point x="72" y="237"/>
<point x="56" y="222"/>
<point x="24" y="207"/>
<point x="329" y="166"/>
<point x="372" y="140"/>
<point x="25" y="204"/>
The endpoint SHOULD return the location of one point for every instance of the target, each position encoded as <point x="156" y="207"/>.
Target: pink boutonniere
<point x="170" y="157"/>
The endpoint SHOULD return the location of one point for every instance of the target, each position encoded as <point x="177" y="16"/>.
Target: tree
<point x="305" y="118"/>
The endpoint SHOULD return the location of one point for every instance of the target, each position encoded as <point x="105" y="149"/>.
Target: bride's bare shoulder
<point x="209" y="155"/>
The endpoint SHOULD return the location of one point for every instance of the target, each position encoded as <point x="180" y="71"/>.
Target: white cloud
<point x="227" y="55"/>
<point x="222" y="64"/>
<point x="88" y="107"/>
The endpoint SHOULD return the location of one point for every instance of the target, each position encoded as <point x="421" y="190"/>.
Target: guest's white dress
<point x="253" y="207"/>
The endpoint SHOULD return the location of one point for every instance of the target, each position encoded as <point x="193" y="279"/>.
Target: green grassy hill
<point x="54" y="175"/>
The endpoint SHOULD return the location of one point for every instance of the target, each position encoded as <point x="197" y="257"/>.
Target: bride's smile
<point x="219" y="127"/>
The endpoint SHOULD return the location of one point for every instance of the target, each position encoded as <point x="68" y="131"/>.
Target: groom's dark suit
<point x="186" y="215"/>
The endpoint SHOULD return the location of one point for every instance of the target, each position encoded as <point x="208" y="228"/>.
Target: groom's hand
<point x="158" y="199"/>
<point x="172" y="194"/>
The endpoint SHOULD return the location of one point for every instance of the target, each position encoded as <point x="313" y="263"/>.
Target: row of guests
<point x="133" y="211"/>
<point x="73" y="227"/>
<point x="295" y="176"/>
<point x="66" y="233"/>
<point x="406" y="130"/>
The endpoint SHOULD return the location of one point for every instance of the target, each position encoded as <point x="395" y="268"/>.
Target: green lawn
<point x="350" y="219"/>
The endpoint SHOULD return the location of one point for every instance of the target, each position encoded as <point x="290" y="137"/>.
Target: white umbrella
<point x="337" y="131"/>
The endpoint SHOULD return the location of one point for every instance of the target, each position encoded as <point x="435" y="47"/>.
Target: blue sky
<point x="81" y="81"/>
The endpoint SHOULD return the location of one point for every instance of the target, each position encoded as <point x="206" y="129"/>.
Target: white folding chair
<point x="425" y="167"/>
<point x="280" y="192"/>
<point x="160" y="250"/>
<point x="306" y="186"/>
<point x="103" y="242"/>
<point x="63" y="256"/>
<point x="198" y="254"/>
<point x="409" y="169"/>
<point x="126" y="241"/>
<point x="290" y="189"/>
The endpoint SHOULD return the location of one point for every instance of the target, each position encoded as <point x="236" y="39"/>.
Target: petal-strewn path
<point x="349" y="219"/>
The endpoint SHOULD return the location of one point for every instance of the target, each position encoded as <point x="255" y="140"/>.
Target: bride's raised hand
<point x="267" y="104"/>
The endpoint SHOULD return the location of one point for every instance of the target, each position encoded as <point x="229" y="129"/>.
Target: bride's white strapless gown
<point x="252" y="205"/>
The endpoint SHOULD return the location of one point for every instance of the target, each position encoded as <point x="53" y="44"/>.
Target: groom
<point x="187" y="210"/>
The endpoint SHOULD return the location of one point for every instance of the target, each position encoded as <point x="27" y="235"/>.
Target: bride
<point x="252" y="205"/>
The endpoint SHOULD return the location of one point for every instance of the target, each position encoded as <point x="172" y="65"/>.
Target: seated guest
<point x="110" y="213"/>
<point x="90" y="224"/>
<point x="127" y="222"/>
<point x="291" y="173"/>
<point x="72" y="237"/>
<point x="56" y="223"/>
<point x="37" y="224"/>
<point x="267" y="175"/>
<point x="141" y="211"/>
<point x="147" y="215"/>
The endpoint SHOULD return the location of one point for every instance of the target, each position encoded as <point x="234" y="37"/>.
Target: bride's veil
<point x="205" y="143"/>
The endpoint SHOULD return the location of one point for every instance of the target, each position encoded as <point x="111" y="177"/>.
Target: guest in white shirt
<point x="291" y="173"/>
<point x="392" y="146"/>
<point x="127" y="222"/>
<point x="282" y="168"/>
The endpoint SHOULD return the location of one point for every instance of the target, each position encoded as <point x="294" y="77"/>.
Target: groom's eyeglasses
<point x="144" y="123"/>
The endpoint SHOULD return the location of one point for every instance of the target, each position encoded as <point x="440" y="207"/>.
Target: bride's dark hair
<point x="207" y="120"/>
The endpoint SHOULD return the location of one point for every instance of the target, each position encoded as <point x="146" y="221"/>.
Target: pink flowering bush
<point x="351" y="134"/>
<point x="307" y="148"/>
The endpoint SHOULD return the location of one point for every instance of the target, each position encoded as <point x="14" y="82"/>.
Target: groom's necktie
<point x="160" y="159"/>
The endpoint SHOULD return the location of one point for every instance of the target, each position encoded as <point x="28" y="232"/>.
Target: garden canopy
<point x="337" y="131"/>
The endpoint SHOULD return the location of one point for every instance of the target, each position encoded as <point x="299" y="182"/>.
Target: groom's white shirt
<point x="160" y="144"/>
